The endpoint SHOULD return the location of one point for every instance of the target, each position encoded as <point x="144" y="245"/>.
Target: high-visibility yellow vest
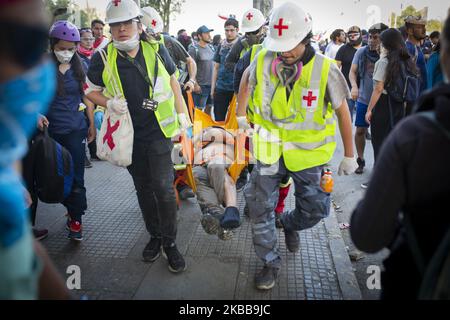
<point x="165" y="113"/>
<point x="301" y="128"/>
<point x="256" y="48"/>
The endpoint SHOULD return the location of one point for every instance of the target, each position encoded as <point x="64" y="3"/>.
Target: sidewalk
<point x="114" y="237"/>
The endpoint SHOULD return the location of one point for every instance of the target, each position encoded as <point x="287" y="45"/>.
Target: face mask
<point x="27" y="53"/>
<point x="21" y="99"/>
<point x="355" y="42"/>
<point x="127" y="45"/>
<point x="64" y="56"/>
<point x="253" y="39"/>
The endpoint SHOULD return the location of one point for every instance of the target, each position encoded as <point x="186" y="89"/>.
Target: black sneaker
<point x="174" y="257"/>
<point x="368" y="136"/>
<point x="152" y="250"/>
<point x="246" y="211"/>
<point x="361" y="165"/>
<point x="231" y="218"/>
<point x="365" y="185"/>
<point x="87" y="163"/>
<point x="242" y="180"/>
<point x="278" y="224"/>
<point x="265" y="279"/>
<point x="210" y="223"/>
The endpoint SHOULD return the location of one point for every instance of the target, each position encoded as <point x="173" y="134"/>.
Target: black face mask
<point x="26" y="44"/>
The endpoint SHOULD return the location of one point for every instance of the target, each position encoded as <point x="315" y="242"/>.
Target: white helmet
<point x="289" y="25"/>
<point x="252" y="20"/>
<point x="122" y="10"/>
<point x="152" y="20"/>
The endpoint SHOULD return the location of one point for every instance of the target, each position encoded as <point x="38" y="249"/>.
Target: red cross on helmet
<point x="152" y="20"/>
<point x="288" y="26"/>
<point x="252" y="20"/>
<point x="121" y="11"/>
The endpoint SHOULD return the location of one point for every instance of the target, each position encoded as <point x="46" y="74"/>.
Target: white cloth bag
<point x="115" y="140"/>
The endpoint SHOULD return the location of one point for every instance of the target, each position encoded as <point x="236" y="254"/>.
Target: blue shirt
<point x="366" y="82"/>
<point x="226" y="73"/>
<point x="435" y="75"/>
<point x="64" y="115"/>
<point x="419" y="58"/>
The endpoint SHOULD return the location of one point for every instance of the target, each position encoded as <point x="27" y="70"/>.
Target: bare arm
<point x="345" y="127"/>
<point x="243" y="95"/>
<point x="353" y="77"/>
<point x="376" y="94"/>
<point x="339" y="64"/>
<point x="90" y="114"/>
<point x="214" y="78"/>
<point x="180" y="106"/>
<point x="98" y="98"/>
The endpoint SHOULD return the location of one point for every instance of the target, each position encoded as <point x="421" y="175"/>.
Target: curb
<point x="344" y="269"/>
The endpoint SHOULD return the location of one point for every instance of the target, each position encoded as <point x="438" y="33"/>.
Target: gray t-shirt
<point x="205" y="64"/>
<point x="380" y="71"/>
<point x="337" y="88"/>
<point x="366" y="83"/>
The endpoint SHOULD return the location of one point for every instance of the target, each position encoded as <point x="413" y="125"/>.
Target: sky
<point x="326" y="14"/>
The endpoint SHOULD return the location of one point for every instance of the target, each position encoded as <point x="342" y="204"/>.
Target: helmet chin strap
<point x="280" y="70"/>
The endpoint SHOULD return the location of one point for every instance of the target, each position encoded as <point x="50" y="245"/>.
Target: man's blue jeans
<point x="203" y="99"/>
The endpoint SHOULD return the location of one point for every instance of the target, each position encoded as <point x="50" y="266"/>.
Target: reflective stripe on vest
<point x="165" y="113"/>
<point x="300" y="128"/>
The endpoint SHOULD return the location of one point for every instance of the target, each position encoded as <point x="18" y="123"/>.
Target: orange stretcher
<point x="201" y="121"/>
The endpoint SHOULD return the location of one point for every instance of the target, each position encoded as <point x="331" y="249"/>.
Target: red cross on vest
<point x="116" y="2"/>
<point x="310" y="98"/>
<point x="154" y="23"/>
<point x="109" y="132"/>
<point x="280" y="27"/>
<point x="249" y="16"/>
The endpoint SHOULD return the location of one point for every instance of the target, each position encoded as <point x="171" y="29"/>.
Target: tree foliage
<point x="166" y="8"/>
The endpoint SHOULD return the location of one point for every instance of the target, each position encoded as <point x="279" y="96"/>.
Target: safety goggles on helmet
<point x="127" y="23"/>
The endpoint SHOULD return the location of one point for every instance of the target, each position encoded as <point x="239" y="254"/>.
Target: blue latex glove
<point x="98" y="119"/>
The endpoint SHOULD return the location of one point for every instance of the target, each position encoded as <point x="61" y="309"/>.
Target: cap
<point x="354" y="29"/>
<point x="415" y="20"/>
<point x="204" y="29"/>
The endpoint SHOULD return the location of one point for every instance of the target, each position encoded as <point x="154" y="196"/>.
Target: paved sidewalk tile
<point x="115" y="235"/>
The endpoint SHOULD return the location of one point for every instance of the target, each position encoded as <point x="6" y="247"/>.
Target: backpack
<point x="436" y="275"/>
<point x="53" y="169"/>
<point x="406" y="87"/>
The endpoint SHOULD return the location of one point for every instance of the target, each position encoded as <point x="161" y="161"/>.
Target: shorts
<point x="361" y="110"/>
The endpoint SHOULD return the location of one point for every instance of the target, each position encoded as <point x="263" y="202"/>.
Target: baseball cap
<point x="204" y="29"/>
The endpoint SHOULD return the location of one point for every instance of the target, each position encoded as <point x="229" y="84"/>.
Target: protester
<point x="434" y="70"/>
<point x="97" y="27"/>
<point x="338" y="39"/>
<point x="416" y="30"/>
<point x="405" y="199"/>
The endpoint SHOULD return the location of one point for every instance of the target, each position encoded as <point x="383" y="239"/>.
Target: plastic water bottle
<point x="327" y="182"/>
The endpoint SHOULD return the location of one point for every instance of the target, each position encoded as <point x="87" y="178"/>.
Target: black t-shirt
<point x="136" y="89"/>
<point x="345" y="54"/>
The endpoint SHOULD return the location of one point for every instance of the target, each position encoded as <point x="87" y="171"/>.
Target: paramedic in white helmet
<point x="252" y="24"/>
<point x="294" y="93"/>
<point x="184" y="62"/>
<point x="150" y="91"/>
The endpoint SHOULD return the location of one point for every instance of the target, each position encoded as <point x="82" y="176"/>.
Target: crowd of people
<point x="291" y="94"/>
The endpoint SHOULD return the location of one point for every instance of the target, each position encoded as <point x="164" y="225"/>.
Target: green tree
<point x="434" y="25"/>
<point x="166" y="8"/>
<point x="408" y="11"/>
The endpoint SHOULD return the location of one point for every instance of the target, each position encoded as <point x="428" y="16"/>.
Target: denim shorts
<point x="361" y="110"/>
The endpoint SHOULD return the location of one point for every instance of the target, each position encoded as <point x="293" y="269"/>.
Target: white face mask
<point x="127" y="45"/>
<point x="64" y="56"/>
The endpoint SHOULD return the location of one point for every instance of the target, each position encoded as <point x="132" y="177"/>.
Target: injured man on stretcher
<point x="216" y="190"/>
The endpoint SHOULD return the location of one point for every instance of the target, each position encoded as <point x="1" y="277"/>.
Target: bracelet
<point x="193" y="81"/>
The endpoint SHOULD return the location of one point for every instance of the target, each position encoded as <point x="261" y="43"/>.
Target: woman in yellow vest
<point x="294" y="93"/>
<point x="149" y="90"/>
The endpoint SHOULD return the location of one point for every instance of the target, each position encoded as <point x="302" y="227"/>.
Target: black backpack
<point x="435" y="283"/>
<point x="53" y="169"/>
<point x="406" y="87"/>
